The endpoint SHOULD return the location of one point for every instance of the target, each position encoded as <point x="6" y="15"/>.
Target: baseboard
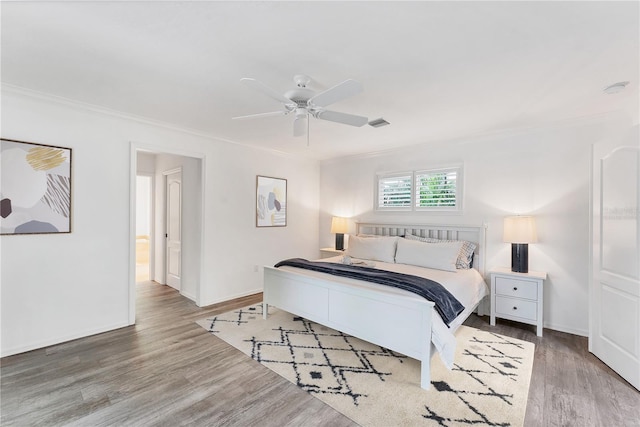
<point x="568" y="330"/>
<point x="554" y="327"/>
<point x="190" y="296"/>
<point x="230" y="297"/>
<point x="54" y="341"/>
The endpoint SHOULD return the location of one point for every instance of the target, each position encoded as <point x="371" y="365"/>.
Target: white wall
<point x="60" y="287"/>
<point x="234" y="245"/>
<point x="543" y="172"/>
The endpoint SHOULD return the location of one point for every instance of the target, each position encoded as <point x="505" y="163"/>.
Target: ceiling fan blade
<point x="347" y="119"/>
<point x="300" y="126"/>
<point x="271" y="93"/>
<point x="337" y="93"/>
<point x="254" y="116"/>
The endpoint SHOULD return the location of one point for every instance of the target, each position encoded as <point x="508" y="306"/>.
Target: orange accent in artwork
<point x="45" y="158"/>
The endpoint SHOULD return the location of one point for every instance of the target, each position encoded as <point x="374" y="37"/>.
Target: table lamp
<point x="520" y="231"/>
<point x="339" y="227"/>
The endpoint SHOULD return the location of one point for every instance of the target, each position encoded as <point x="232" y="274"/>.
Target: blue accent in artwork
<point x="271" y="202"/>
<point x="35" y="227"/>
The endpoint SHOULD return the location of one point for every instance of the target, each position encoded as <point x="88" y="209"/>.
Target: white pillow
<point x="465" y="257"/>
<point x="373" y="248"/>
<point x="440" y="256"/>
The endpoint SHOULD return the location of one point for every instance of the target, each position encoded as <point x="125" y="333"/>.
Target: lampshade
<point x="520" y="229"/>
<point x="339" y="225"/>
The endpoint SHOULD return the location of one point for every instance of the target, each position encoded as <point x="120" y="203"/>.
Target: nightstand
<point x="517" y="296"/>
<point x="329" y="252"/>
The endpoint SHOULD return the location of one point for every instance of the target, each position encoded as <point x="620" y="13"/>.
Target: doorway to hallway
<point x="148" y="161"/>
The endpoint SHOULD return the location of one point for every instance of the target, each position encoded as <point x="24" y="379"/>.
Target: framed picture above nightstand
<point x="517" y="296"/>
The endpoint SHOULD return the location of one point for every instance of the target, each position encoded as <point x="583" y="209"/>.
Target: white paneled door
<point x="614" y="315"/>
<point x="173" y="234"/>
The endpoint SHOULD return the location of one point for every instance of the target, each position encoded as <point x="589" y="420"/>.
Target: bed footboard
<point x="396" y="322"/>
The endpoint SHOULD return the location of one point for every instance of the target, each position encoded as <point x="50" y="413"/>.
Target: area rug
<point x="374" y="386"/>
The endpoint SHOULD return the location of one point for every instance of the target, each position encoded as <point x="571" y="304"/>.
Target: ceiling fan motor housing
<point x="300" y="95"/>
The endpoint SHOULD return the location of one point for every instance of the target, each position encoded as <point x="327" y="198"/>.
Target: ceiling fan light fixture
<point x="615" y="88"/>
<point x="301" y="123"/>
<point x="377" y="123"/>
<point x="301" y="113"/>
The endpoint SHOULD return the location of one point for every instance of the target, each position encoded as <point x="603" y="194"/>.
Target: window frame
<point x="386" y="176"/>
<point x="457" y="168"/>
<point x="458" y="189"/>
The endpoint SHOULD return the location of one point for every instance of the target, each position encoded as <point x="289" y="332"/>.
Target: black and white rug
<point x="377" y="387"/>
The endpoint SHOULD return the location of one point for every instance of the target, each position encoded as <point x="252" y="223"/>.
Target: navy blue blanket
<point x="445" y="303"/>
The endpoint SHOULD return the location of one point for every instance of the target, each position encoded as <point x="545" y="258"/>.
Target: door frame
<point x="134" y="148"/>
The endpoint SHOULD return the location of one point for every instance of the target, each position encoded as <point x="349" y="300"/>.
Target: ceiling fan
<point x="304" y="102"/>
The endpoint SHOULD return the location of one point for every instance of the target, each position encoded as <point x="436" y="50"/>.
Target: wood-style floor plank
<point x="167" y="371"/>
<point x="569" y="385"/>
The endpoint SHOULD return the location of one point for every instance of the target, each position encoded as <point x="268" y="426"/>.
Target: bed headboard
<point x="475" y="234"/>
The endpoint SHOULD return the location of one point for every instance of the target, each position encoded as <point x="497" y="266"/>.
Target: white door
<point x="173" y="234"/>
<point x="614" y="315"/>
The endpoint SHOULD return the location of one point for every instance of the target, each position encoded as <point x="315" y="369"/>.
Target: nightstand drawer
<point x="515" y="307"/>
<point x="516" y="288"/>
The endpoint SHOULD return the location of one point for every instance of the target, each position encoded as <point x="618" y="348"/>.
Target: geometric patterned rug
<point x="374" y="386"/>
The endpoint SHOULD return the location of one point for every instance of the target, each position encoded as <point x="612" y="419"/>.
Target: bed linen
<point x="467" y="286"/>
<point x="445" y="303"/>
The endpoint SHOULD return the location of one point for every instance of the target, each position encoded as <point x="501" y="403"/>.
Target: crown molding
<point x="480" y="136"/>
<point x="72" y="103"/>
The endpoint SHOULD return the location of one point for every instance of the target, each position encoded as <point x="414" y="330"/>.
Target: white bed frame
<point x="396" y="322"/>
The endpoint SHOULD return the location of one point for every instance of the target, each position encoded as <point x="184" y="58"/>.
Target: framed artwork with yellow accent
<point x="35" y="188"/>
<point x="271" y="202"/>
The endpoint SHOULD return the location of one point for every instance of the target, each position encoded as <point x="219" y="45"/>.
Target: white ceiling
<point x="435" y="70"/>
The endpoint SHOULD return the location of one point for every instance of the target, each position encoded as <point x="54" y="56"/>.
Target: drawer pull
<point x="515" y="288"/>
<point x="515" y="308"/>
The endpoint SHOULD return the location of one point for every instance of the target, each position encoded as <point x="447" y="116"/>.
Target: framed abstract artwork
<point x="271" y="202"/>
<point x="35" y="188"/>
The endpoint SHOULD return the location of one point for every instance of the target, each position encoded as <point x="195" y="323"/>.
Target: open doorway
<point x="144" y="227"/>
<point x="149" y="162"/>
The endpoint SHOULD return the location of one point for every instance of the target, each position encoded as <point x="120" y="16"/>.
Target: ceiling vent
<point x="377" y="123"/>
<point x="615" y="88"/>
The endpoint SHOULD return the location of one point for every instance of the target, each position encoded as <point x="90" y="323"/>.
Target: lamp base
<point x="339" y="241"/>
<point x="520" y="257"/>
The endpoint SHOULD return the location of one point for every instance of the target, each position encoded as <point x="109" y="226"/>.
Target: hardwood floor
<point x="569" y="385"/>
<point x="166" y="370"/>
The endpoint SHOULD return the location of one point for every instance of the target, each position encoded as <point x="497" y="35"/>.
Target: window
<point x="424" y="190"/>
<point x="394" y="191"/>
<point x="437" y="189"/>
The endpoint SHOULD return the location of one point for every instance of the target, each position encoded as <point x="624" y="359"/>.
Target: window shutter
<point x="437" y="189"/>
<point x="424" y="190"/>
<point x="394" y="192"/>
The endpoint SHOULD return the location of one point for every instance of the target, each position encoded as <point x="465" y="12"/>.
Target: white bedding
<point x="467" y="286"/>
